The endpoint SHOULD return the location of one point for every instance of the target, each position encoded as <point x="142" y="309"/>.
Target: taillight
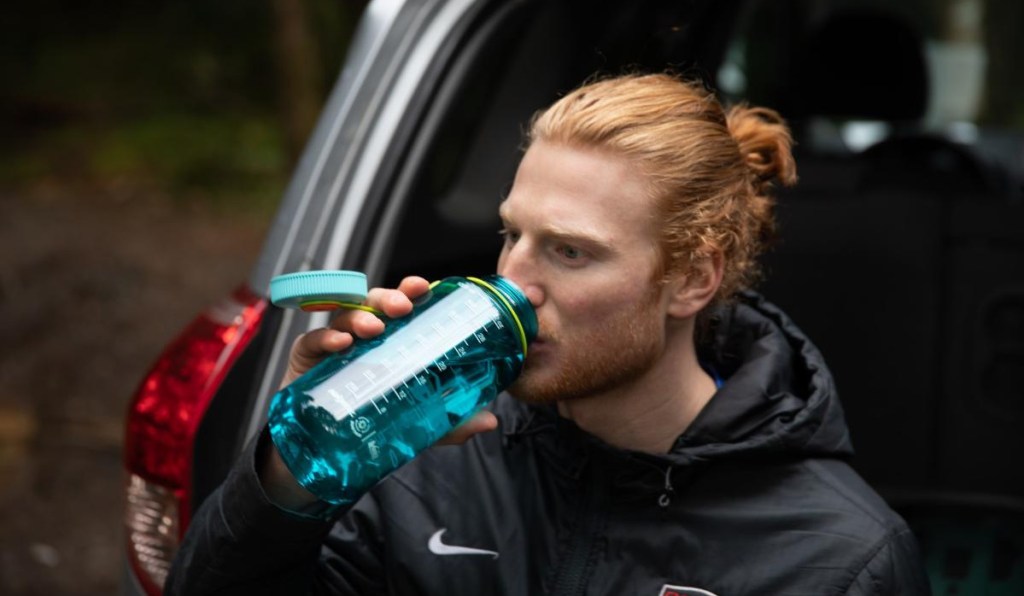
<point x="162" y="423"/>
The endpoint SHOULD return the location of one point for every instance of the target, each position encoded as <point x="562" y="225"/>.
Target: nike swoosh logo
<point x="439" y="548"/>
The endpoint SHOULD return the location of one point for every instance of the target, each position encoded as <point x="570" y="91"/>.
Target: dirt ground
<point x="91" y="289"/>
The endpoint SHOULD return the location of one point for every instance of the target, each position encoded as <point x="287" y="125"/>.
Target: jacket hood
<point x="778" y="395"/>
<point x="777" y="398"/>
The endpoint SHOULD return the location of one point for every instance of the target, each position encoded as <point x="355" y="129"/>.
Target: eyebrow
<point x="572" y="236"/>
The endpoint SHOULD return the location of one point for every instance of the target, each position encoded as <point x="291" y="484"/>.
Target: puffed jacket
<point x="756" y="497"/>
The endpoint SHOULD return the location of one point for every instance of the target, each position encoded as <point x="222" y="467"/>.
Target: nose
<point x="517" y="265"/>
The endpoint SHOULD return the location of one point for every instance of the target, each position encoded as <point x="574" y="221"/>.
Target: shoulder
<point x="846" y="504"/>
<point x="837" y="482"/>
<point x="888" y="559"/>
<point x="894" y="566"/>
<point x="808" y="523"/>
<point x="823" y="492"/>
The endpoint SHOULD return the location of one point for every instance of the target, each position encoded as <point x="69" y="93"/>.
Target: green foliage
<point x="177" y="98"/>
<point x="182" y="155"/>
<point x="219" y="155"/>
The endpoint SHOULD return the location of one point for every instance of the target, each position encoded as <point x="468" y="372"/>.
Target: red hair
<point x="710" y="169"/>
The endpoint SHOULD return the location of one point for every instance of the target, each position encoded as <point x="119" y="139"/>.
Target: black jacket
<point x="755" y="498"/>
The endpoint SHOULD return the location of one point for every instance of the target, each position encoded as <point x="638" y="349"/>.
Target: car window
<point x="973" y="90"/>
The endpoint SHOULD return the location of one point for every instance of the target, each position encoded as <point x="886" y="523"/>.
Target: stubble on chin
<point x="592" y="363"/>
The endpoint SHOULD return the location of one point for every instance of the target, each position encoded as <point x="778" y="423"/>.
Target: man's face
<point x="581" y="241"/>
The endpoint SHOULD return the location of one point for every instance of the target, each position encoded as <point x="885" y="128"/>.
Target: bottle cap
<point x="319" y="290"/>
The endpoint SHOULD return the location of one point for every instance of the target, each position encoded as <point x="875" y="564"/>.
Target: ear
<point x="691" y="291"/>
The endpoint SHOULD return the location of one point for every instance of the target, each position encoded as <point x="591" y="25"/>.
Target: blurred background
<point x="145" y="146"/>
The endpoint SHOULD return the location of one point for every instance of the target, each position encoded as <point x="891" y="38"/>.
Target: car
<point x="900" y="251"/>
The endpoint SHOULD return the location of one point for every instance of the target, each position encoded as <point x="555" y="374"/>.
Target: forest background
<point x="145" y="148"/>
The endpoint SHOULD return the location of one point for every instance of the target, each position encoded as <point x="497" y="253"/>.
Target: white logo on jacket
<point x="668" y="590"/>
<point x="439" y="548"/>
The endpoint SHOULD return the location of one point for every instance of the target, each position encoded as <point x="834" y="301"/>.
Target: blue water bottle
<point x="360" y="414"/>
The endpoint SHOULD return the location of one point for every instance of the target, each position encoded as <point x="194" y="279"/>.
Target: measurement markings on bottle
<point x="340" y="399"/>
<point x="475" y="305"/>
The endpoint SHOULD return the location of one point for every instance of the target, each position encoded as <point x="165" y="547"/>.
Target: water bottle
<point x="360" y="414"/>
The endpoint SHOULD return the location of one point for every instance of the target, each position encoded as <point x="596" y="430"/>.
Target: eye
<point x="570" y="253"/>
<point x="511" y="236"/>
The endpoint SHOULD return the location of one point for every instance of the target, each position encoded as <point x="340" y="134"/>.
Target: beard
<point x="596" y="359"/>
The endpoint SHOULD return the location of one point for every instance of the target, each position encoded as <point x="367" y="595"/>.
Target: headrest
<point x="862" y="65"/>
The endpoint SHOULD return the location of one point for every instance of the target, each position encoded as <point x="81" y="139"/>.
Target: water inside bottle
<point x="351" y="420"/>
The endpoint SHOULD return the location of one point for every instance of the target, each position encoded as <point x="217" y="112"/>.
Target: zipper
<point x="666" y="495"/>
<point x="573" y="573"/>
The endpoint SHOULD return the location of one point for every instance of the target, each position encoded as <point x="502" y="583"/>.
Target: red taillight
<point x="162" y="423"/>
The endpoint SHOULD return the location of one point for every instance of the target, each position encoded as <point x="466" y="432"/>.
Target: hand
<point x="310" y="348"/>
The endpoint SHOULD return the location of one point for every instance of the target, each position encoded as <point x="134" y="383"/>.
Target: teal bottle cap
<point x="319" y="290"/>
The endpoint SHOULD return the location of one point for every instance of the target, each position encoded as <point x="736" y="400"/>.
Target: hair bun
<point x="765" y="144"/>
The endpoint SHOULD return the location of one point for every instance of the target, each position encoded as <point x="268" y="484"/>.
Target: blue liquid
<point x="357" y="416"/>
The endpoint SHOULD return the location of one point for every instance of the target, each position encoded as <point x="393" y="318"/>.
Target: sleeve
<point x="239" y="542"/>
<point x="896" y="568"/>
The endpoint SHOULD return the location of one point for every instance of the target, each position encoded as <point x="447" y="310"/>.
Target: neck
<point x="649" y="413"/>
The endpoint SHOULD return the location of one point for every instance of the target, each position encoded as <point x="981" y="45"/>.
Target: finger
<point x="392" y="302"/>
<point x="480" y="422"/>
<point x="311" y="347"/>
<point x="364" y="324"/>
<point x="398" y="302"/>
<point x="359" y="322"/>
<point x="414" y="286"/>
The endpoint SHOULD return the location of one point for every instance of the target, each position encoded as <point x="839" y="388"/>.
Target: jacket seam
<point x="891" y="532"/>
<point x="884" y="542"/>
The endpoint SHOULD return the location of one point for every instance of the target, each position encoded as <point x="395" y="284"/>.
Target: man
<point x="670" y="434"/>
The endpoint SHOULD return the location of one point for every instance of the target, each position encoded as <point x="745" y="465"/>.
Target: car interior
<point x="900" y="252"/>
<point x="916" y="290"/>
